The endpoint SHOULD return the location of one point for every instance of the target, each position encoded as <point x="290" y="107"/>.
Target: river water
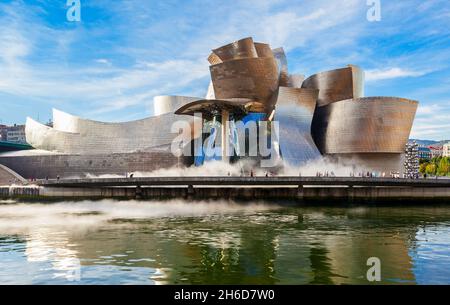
<point x="180" y="242"/>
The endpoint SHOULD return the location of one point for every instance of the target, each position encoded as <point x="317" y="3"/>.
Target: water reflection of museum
<point x="324" y="115"/>
<point x="259" y="252"/>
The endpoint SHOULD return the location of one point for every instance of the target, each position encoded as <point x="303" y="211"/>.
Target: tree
<point x="443" y="168"/>
<point x="431" y="169"/>
<point x="423" y="167"/>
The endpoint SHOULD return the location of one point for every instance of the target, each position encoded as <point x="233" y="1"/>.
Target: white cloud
<point x="390" y="73"/>
<point x="94" y="90"/>
<point x="121" y="65"/>
<point x="432" y="122"/>
<point x="106" y="87"/>
<point x="103" y="61"/>
<point x="427" y="110"/>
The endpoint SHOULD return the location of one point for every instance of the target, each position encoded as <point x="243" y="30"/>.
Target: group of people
<point x="46" y="178"/>
<point x="375" y="174"/>
<point x="367" y="174"/>
<point x="383" y="175"/>
<point x="370" y="175"/>
<point x="251" y="173"/>
<point x="325" y="174"/>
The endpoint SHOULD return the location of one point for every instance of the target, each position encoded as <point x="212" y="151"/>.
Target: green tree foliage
<point x="430" y="169"/>
<point x="423" y="167"/>
<point x="437" y="166"/>
<point x="443" y="168"/>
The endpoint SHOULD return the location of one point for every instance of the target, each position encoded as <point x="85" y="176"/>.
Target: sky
<point x="122" y="53"/>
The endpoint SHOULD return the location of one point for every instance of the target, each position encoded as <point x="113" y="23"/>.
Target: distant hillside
<point x="429" y="142"/>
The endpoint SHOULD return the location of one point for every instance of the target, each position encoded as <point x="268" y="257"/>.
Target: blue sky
<point x="110" y="65"/>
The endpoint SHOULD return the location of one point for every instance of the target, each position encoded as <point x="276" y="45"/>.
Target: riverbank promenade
<point x="279" y="181"/>
<point x="299" y="189"/>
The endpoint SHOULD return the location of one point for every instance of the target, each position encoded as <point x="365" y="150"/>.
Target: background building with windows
<point x="13" y="134"/>
<point x="424" y="152"/>
<point x="436" y="150"/>
<point x="16" y="134"/>
<point x="446" y="150"/>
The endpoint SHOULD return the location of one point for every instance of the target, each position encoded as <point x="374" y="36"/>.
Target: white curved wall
<point x="74" y="135"/>
<point x="46" y="138"/>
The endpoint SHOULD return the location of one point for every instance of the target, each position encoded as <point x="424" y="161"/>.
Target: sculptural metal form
<point x="324" y="115"/>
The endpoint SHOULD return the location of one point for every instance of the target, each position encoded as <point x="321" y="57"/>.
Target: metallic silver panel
<point x="294" y="112"/>
<point x="358" y="78"/>
<point x="81" y="136"/>
<point x="244" y="48"/>
<point x="247" y="77"/>
<point x="46" y="138"/>
<point x="364" y="125"/>
<point x="213" y="59"/>
<point x="337" y="85"/>
<point x="162" y="105"/>
<point x="280" y="56"/>
<point x="263" y="50"/>
<point x="253" y="78"/>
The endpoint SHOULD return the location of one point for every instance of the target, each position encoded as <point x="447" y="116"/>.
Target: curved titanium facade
<point x="46" y="138"/>
<point x="244" y="48"/>
<point x="162" y="105"/>
<point x="280" y="56"/>
<point x="213" y="59"/>
<point x="245" y="69"/>
<point x="263" y="50"/>
<point x="253" y="78"/>
<point x="364" y="125"/>
<point x="337" y="85"/>
<point x="324" y="114"/>
<point x="294" y="112"/>
<point x="74" y="135"/>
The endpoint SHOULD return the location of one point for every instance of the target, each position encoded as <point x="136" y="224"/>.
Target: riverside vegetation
<point x="437" y="166"/>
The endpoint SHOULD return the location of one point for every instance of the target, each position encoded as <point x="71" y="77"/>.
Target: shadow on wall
<point x="8" y="176"/>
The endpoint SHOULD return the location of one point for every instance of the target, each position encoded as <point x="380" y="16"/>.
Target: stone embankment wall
<point x="328" y="195"/>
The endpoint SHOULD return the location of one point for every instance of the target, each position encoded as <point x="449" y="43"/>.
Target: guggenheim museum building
<point x="323" y="116"/>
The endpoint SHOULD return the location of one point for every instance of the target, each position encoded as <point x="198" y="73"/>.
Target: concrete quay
<point x="298" y="189"/>
<point x="279" y="181"/>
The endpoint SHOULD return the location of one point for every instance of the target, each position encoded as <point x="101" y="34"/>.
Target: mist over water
<point x="18" y="218"/>
<point x="322" y="165"/>
<point x="243" y="168"/>
<point x="219" y="242"/>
